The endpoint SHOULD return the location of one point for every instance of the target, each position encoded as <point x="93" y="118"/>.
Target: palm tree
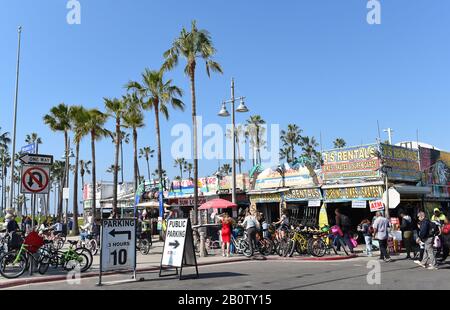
<point x="95" y="126"/>
<point x="156" y="95"/>
<point x="133" y="119"/>
<point x="111" y="169"/>
<point x="312" y="157"/>
<point x="59" y="120"/>
<point x="193" y="45"/>
<point x="85" y="168"/>
<point x="116" y="109"/>
<point x="285" y="153"/>
<point x="4" y="161"/>
<point x="147" y="153"/>
<point x="339" y="143"/>
<point x="239" y="132"/>
<point x="57" y="175"/>
<point x="255" y="131"/>
<point x="291" y="138"/>
<point x="226" y="169"/>
<point x="124" y="137"/>
<point x="162" y="176"/>
<point x="180" y="162"/>
<point x="33" y="138"/>
<point x="188" y="168"/>
<point x="78" y="118"/>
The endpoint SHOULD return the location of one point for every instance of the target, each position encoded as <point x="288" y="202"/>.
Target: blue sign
<point x="30" y="149"/>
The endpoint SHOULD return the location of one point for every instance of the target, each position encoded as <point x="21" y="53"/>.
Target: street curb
<point x="88" y="275"/>
<point x="58" y="278"/>
<point x="312" y="259"/>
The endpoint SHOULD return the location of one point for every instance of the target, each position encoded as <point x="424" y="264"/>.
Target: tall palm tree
<point x="57" y="175"/>
<point x="78" y="118"/>
<point x="255" y="130"/>
<point x="124" y="137"/>
<point x="291" y="138"/>
<point x="180" y="163"/>
<point x="95" y="126"/>
<point x="33" y="138"/>
<point x="193" y="45"/>
<point x="116" y="109"/>
<point x="147" y="153"/>
<point x="157" y="95"/>
<point x="162" y="175"/>
<point x="285" y="153"/>
<point x="188" y="168"/>
<point x="312" y="156"/>
<point x="85" y="168"/>
<point x="111" y="169"/>
<point x="339" y="143"/>
<point x="59" y="121"/>
<point x="133" y="119"/>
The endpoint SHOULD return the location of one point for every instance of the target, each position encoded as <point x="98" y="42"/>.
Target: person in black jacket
<point x="406" y="227"/>
<point x="427" y="237"/>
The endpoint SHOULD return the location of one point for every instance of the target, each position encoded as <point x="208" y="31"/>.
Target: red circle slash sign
<point x="33" y="176"/>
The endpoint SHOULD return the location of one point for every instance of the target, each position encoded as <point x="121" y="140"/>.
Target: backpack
<point x="345" y="221"/>
<point x="433" y="230"/>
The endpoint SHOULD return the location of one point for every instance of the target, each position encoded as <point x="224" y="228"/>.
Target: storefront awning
<point x="412" y="190"/>
<point x="268" y="191"/>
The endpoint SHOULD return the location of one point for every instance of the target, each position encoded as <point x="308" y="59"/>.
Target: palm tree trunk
<point x="292" y="152"/>
<point x="148" y="168"/>
<point x="94" y="177"/>
<point x="116" y="166"/>
<point x="121" y="159"/>
<point x="135" y="160"/>
<point x="181" y="171"/>
<point x="65" y="175"/>
<point x="76" y="230"/>
<point x="258" y="150"/>
<point x="239" y="155"/>
<point x="194" y="125"/>
<point x="158" y="136"/>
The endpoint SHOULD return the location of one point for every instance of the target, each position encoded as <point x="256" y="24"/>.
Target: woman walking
<point x="225" y="232"/>
<point x="366" y="229"/>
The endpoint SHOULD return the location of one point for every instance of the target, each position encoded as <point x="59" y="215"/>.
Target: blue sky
<point x="314" y="63"/>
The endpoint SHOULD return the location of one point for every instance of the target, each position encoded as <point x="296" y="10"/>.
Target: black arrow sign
<point x="114" y="233"/>
<point x="175" y="244"/>
<point x="35" y="174"/>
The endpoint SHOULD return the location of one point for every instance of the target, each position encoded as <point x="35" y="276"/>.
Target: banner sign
<point x="303" y="194"/>
<point x="436" y="167"/>
<point x="376" y="206"/>
<point x="353" y="193"/>
<point x="359" y="204"/>
<point x="404" y="162"/>
<point x="350" y="163"/>
<point x="262" y="198"/>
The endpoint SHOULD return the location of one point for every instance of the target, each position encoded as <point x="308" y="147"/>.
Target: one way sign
<point x="118" y="245"/>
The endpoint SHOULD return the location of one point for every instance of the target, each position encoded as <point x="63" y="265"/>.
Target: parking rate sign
<point x="118" y="244"/>
<point x="174" y="244"/>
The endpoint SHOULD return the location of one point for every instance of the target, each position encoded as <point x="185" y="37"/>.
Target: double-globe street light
<point x="242" y="108"/>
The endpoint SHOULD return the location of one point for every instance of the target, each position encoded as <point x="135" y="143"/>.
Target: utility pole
<point x="11" y="186"/>
<point x="389" y="131"/>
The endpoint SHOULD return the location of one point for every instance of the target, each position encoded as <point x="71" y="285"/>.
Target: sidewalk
<point x="150" y="262"/>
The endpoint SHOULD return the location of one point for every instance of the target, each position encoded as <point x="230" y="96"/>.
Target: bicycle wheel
<point x="292" y="246"/>
<point x="43" y="264"/>
<point x="79" y="260"/>
<point x="93" y="246"/>
<point x="88" y="254"/>
<point x="144" y="247"/>
<point x="265" y="247"/>
<point x="318" y="248"/>
<point x="11" y="268"/>
<point x="59" y="243"/>
<point x="246" y="249"/>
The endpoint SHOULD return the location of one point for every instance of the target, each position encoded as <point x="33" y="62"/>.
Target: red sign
<point x="35" y="180"/>
<point x="376" y="205"/>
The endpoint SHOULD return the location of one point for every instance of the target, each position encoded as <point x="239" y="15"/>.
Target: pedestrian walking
<point x="380" y="227"/>
<point x="427" y="234"/>
<point x="367" y="231"/>
<point x="251" y="225"/>
<point x="344" y="223"/>
<point x="406" y="227"/>
<point x="445" y="240"/>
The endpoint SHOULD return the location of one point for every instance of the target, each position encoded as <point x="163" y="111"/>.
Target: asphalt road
<point x="286" y="275"/>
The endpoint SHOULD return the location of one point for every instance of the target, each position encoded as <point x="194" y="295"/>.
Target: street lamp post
<point x="11" y="187"/>
<point x="242" y="108"/>
<point x="385" y="170"/>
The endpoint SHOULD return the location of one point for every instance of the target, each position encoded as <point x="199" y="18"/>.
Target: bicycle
<point x="14" y="263"/>
<point x="144" y="243"/>
<point x="70" y="258"/>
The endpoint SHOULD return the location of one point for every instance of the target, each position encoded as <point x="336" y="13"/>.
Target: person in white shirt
<point x="251" y="224"/>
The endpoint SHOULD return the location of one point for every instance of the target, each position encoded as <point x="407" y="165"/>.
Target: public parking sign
<point x="118" y="245"/>
<point x="35" y="180"/>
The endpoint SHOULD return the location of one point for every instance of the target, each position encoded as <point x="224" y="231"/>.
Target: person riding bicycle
<point x="283" y="222"/>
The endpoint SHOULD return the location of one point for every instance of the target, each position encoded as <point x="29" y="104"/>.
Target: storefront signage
<point x="353" y="193"/>
<point x="403" y="161"/>
<point x="436" y="167"/>
<point x="314" y="203"/>
<point x="359" y="204"/>
<point x="376" y="206"/>
<point x="350" y="163"/>
<point x="303" y="194"/>
<point x="270" y="178"/>
<point x="261" y="198"/>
